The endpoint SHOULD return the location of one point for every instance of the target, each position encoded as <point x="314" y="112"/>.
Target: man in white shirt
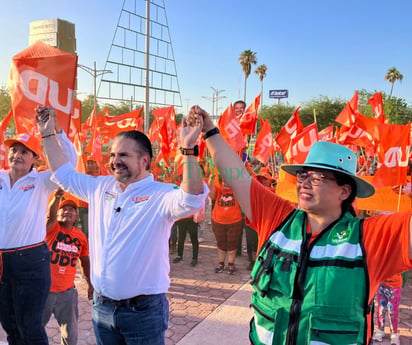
<point x="130" y="217"/>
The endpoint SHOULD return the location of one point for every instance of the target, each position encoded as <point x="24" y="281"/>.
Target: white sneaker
<point x="395" y="339"/>
<point x="378" y="335"/>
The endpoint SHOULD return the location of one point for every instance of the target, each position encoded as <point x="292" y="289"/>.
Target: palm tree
<point x="246" y="59"/>
<point x="261" y="72"/>
<point x="392" y="76"/>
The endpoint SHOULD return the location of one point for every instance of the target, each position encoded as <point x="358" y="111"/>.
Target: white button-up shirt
<point x="129" y="231"/>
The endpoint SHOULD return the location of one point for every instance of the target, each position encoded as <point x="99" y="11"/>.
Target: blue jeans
<point x="24" y="287"/>
<point x="142" y="323"/>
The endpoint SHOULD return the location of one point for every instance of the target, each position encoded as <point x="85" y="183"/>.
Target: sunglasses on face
<point x="315" y="178"/>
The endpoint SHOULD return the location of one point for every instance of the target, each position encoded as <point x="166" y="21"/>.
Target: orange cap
<point x="70" y="202"/>
<point x="31" y="142"/>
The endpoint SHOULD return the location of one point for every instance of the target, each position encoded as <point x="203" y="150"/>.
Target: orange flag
<point x="230" y="129"/>
<point x="42" y="75"/>
<point x="81" y="161"/>
<point x="264" y="142"/>
<point x="163" y="129"/>
<point x="326" y="134"/>
<point x="393" y="155"/>
<point x="377" y="106"/>
<point x="247" y="121"/>
<point x="75" y="120"/>
<point x="110" y="126"/>
<point x="288" y="131"/>
<point x="91" y="120"/>
<point x="301" y="144"/>
<point x="94" y="147"/>
<point x="347" y="115"/>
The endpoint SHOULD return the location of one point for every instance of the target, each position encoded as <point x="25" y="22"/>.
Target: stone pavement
<point x="207" y="308"/>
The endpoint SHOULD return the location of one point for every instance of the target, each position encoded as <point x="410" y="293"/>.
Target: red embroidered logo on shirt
<point x="26" y="188"/>
<point x="139" y="199"/>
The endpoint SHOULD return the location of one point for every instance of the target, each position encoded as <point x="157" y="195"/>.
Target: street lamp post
<point x="94" y="73"/>
<point x="217" y="97"/>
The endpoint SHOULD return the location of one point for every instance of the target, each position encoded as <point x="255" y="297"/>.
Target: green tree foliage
<point x="326" y="110"/>
<point x="5" y="104"/>
<point x="87" y="107"/>
<point x="396" y="109"/>
<point x="277" y="115"/>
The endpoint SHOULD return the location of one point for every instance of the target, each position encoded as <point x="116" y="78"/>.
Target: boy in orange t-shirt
<point x="66" y="244"/>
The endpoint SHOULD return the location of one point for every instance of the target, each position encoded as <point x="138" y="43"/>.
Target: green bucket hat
<point x="334" y="157"/>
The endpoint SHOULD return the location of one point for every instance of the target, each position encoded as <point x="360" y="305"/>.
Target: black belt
<point x="133" y="301"/>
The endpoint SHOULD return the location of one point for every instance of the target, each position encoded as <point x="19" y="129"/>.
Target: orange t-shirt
<point x="395" y="281"/>
<point x="226" y="209"/>
<point x="386" y="237"/>
<point x="66" y="246"/>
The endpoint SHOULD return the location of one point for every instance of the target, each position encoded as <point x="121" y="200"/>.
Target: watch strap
<point x="190" y="152"/>
<point x="211" y="132"/>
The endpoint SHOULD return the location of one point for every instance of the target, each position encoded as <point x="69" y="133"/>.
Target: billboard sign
<point x="278" y="94"/>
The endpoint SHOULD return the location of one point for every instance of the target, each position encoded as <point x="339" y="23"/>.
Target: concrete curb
<point x="228" y="323"/>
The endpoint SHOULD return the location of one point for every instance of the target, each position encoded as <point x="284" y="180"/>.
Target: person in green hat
<point x="318" y="266"/>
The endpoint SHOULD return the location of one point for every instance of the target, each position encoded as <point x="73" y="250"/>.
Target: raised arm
<point x="192" y="179"/>
<point x="51" y="217"/>
<point x="228" y="163"/>
<point x="46" y="122"/>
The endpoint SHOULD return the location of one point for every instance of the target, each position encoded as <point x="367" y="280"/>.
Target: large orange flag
<point x="377" y="106"/>
<point x="230" y="129"/>
<point x="301" y="144"/>
<point x="110" y="126"/>
<point x="164" y="128"/>
<point x="393" y="154"/>
<point x="293" y="127"/>
<point x="347" y="115"/>
<point x="248" y="119"/>
<point x="264" y="142"/>
<point x="42" y="75"/>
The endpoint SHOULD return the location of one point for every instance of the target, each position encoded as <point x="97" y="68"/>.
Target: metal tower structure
<point x="141" y="58"/>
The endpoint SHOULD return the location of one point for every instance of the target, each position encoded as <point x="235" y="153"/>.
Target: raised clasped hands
<point x="191" y="127"/>
<point x="46" y="119"/>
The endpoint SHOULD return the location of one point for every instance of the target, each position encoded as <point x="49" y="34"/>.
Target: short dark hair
<point x="240" y="101"/>
<point x="141" y="140"/>
<point x="342" y="179"/>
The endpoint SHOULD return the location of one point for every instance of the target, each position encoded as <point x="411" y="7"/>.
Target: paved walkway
<point x="207" y="308"/>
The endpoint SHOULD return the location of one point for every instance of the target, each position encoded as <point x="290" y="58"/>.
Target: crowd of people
<point x="315" y="266"/>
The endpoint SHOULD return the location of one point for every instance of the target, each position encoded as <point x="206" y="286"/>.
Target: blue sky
<point x="312" y="48"/>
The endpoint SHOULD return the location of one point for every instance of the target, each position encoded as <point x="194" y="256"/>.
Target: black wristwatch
<point x="190" y="152"/>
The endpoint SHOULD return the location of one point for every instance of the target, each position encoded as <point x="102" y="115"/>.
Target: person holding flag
<point x="318" y="266"/>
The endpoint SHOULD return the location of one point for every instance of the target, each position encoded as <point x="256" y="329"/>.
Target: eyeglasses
<point x="315" y="178"/>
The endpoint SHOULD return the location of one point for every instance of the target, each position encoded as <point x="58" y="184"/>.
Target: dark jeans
<point x="187" y="225"/>
<point x="143" y="323"/>
<point x="24" y="288"/>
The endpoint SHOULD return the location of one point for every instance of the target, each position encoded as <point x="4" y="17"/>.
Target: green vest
<point x="314" y="294"/>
